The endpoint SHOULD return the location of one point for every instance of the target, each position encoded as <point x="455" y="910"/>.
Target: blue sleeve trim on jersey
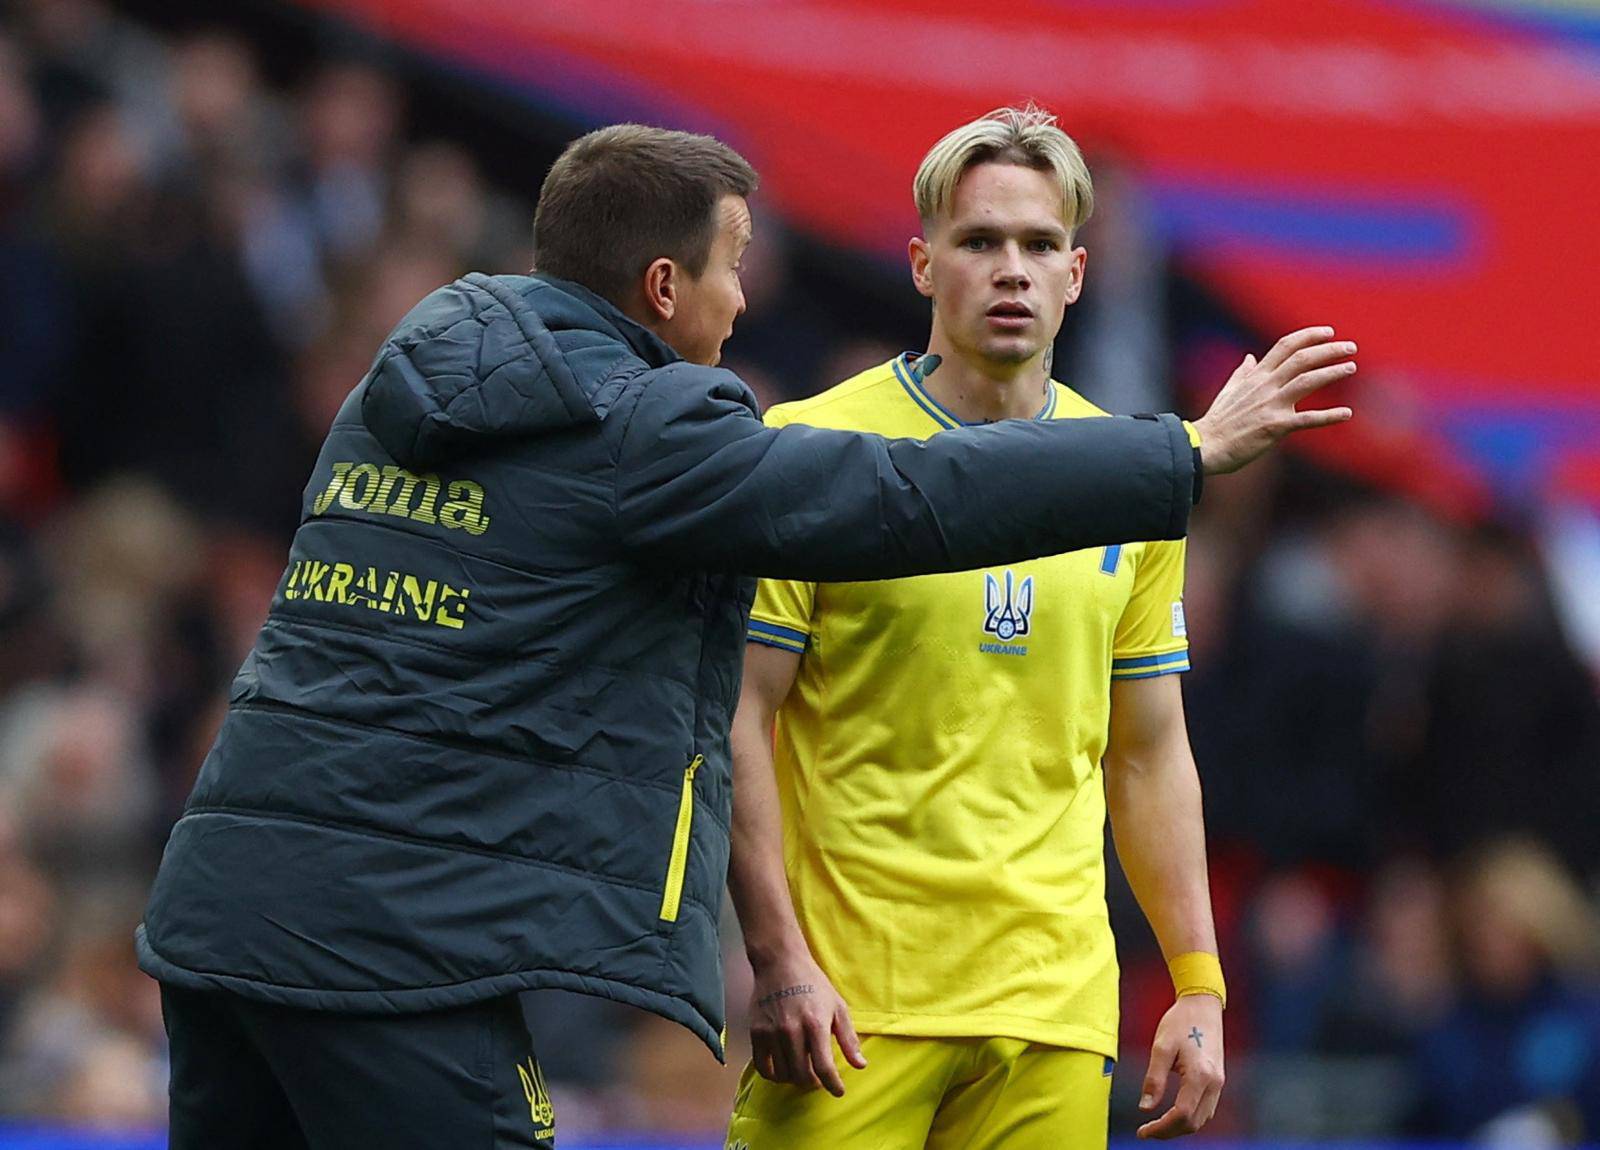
<point x="1176" y="668"/>
<point x="769" y="641"/>
<point x="775" y="636"/>
<point x="1144" y="661"/>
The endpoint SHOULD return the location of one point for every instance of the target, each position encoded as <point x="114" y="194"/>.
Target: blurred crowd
<point x="1401" y="752"/>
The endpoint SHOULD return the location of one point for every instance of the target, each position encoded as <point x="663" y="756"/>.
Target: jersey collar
<point x="905" y="370"/>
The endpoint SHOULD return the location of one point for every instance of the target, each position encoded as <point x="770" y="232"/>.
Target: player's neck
<point x="977" y="391"/>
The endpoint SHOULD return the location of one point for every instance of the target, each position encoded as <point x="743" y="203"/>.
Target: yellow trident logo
<point x="540" y="1108"/>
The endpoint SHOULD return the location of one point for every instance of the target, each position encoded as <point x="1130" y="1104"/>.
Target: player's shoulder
<point x="1071" y="405"/>
<point x="844" y="405"/>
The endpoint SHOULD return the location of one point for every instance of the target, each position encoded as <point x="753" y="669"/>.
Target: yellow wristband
<point x="1192" y="432"/>
<point x="1198" y="973"/>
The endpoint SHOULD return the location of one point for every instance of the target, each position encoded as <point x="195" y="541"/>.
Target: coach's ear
<point x="921" y="272"/>
<point x="661" y="289"/>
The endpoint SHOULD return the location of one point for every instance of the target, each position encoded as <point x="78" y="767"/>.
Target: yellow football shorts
<point x="935" y="1094"/>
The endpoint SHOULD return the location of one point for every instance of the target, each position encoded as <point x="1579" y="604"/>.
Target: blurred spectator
<point x="1507" y="726"/>
<point x="1295" y="959"/>
<point x="93" y="1016"/>
<point x="71" y="767"/>
<point x="27" y="917"/>
<point x="1402" y="978"/>
<point x="1521" y="1047"/>
<point x="351" y="120"/>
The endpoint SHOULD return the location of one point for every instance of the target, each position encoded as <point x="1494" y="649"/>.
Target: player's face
<point x="1000" y="267"/>
<point x="708" y="304"/>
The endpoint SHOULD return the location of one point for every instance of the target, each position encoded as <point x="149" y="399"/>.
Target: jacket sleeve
<point x="702" y="483"/>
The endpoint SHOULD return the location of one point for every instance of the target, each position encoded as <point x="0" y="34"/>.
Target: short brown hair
<point x="626" y="195"/>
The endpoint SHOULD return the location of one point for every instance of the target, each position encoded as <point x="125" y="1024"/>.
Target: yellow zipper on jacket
<point x="673" y="894"/>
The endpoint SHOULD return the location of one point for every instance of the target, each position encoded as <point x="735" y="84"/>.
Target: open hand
<point x="1256" y="407"/>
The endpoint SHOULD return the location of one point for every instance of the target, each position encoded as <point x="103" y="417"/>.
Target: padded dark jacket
<point x="481" y="744"/>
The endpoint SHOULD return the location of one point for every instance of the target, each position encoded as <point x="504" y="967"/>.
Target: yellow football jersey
<point x="938" y="762"/>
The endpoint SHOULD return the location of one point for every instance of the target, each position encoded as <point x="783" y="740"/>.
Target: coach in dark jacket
<point x="481" y="744"/>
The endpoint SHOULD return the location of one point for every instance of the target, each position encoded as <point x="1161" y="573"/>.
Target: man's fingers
<point x="799" y="1057"/>
<point x="1173" y="1124"/>
<point x="761" y="1059"/>
<point x="1180" y="1117"/>
<point x="845" y="1032"/>
<point x="1311" y="358"/>
<point x="1155" y="1079"/>
<point x="819" y="1042"/>
<point x="1207" y="1109"/>
<point x="1292" y="343"/>
<point x="1303" y="385"/>
<point x="782" y="1068"/>
<point x="1320" y="417"/>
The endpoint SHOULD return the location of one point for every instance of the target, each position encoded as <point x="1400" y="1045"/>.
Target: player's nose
<point x="1012" y="269"/>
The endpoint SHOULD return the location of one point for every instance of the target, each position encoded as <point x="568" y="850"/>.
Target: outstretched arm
<point x="702" y="484"/>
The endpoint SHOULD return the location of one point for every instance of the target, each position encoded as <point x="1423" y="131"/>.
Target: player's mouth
<point x="1009" y="315"/>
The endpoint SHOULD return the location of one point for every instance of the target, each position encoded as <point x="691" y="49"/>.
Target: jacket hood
<point x="497" y="358"/>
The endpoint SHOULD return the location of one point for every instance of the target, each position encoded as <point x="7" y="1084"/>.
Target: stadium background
<point x="209" y="217"/>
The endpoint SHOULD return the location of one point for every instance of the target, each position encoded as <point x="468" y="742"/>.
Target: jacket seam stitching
<point x="424" y="986"/>
<point x="435" y="844"/>
<point x="670" y="789"/>
<point x="280" y="617"/>
<point x="512" y="305"/>
<point x="622" y="441"/>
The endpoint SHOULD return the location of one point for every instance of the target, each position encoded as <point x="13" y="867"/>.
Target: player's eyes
<point x="975" y="243"/>
<point x="1045" y="246"/>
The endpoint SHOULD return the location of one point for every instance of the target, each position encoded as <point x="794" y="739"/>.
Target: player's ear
<point x="921" y="273"/>
<point x="1080" y="264"/>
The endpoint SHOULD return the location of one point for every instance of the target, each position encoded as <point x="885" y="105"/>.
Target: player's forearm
<point x="756" y="878"/>
<point x="1153" y="795"/>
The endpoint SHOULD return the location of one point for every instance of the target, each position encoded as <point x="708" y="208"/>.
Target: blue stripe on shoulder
<point x="1143" y="661"/>
<point x="777" y="631"/>
<point x="1175" y="669"/>
<point x="769" y="641"/>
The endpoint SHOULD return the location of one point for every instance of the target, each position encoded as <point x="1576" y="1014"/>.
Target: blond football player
<point x="941" y="752"/>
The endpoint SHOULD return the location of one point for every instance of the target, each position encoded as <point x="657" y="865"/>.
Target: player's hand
<point x="1189" y="1040"/>
<point x="1256" y="407"/>
<point x="794" y="1020"/>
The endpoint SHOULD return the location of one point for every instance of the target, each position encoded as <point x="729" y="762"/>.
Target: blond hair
<point x="1524" y="881"/>
<point x="1029" y="137"/>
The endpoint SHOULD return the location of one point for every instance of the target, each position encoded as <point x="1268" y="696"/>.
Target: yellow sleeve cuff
<point x="1192" y="432"/>
<point x="1198" y="973"/>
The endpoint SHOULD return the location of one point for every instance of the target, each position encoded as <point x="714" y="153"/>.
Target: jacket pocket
<point x="672" y="895"/>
